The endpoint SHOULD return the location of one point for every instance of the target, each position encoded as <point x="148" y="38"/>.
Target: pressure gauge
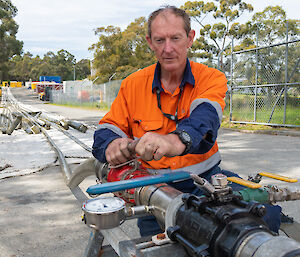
<point x="104" y="212"/>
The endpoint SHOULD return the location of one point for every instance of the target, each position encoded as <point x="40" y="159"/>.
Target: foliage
<point x="270" y="27"/>
<point x="121" y="52"/>
<point x="9" y="45"/>
<point x="83" y="69"/>
<point x="26" y="67"/>
<point x="214" y="38"/>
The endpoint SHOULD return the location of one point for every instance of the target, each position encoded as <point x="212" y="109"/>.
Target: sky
<point x="52" y="25"/>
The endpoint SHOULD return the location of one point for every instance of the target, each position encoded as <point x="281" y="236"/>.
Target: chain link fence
<point x="265" y="85"/>
<point x="85" y="93"/>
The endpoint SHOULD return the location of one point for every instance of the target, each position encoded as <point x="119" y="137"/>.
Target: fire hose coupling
<point x="138" y="210"/>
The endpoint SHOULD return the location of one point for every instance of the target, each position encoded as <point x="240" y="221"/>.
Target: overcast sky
<point x="52" y="25"/>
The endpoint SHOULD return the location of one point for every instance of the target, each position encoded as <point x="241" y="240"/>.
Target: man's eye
<point x="159" y="40"/>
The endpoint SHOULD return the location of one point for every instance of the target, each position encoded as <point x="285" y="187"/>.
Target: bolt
<point x="260" y="210"/>
<point x="219" y="181"/>
<point x="161" y="236"/>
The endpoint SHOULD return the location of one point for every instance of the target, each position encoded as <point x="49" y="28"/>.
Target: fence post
<point x="286" y="70"/>
<point x="256" y="77"/>
<point x="231" y="83"/>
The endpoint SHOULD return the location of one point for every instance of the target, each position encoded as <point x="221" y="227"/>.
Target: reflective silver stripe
<point x="194" y="169"/>
<point x="113" y="128"/>
<point x="216" y="105"/>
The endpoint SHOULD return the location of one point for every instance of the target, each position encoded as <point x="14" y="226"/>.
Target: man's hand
<point x="153" y="146"/>
<point x="117" y="151"/>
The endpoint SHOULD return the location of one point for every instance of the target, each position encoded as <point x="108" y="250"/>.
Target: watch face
<point x="185" y="137"/>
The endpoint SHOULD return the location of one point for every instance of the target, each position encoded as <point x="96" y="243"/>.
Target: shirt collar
<point x="188" y="77"/>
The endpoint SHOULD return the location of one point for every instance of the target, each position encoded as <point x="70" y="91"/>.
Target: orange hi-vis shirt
<point x="135" y="112"/>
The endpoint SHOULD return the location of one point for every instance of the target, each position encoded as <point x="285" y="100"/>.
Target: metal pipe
<point x="261" y="244"/>
<point x="268" y="46"/>
<point x="160" y="197"/>
<point x="271" y="85"/>
<point x="77" y="125"/>
<point x="14" y="124"/>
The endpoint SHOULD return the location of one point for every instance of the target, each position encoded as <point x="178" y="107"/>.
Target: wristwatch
<point x="185" y="138"/>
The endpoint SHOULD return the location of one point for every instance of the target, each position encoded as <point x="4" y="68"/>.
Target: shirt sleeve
<point x="204" y="120"/>
<point x="206" y="113"/>
<point x="102" y="139"/>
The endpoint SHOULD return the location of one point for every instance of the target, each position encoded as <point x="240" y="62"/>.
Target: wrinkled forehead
<point x="167" y="17"/>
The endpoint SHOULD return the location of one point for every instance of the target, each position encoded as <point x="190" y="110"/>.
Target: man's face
<point x="169" y="41"/>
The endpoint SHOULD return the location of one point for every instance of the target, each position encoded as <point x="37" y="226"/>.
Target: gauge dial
<point x="103" y="205"/>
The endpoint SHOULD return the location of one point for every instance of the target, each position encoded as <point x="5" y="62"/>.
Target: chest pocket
<point x="141" y="126"/>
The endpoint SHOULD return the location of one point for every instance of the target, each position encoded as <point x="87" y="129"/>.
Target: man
<point x="174" y="108"/>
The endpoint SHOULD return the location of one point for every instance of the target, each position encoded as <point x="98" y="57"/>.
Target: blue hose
<point x="138" y="182"/>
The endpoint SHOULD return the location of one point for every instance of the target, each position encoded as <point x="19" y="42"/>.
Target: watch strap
<point x="187" y="143"/>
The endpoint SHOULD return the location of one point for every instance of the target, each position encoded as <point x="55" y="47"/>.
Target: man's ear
<point x="149" y="42"/>
<point x="191" y="37"/>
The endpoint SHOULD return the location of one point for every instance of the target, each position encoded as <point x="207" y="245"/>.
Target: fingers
<point x="149" y="152"/>
<point x="131" y="146"/>
<point x="158" y="155"/>
<point x="117" y="151"/>
<point x="151" y="147"/>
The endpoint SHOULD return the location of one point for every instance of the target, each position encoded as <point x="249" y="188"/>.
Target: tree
<point x="63" y="63"/>
<point x="271" y="25"/>
<point x="83" y="69"/>
<point x="9" y="45"/>
<point x="121" y="52"/>
<point x="214" y="38"/>
<point x="25" y="67"/>
<point x="266" y="28"/>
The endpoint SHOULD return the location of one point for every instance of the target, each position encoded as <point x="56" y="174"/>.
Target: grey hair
<point x="173" y="9"/>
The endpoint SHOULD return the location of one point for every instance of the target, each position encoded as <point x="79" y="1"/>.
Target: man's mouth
<point x="169" y="58"/>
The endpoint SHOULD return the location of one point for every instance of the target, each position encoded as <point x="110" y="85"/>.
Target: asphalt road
<point x="39" y="216"/>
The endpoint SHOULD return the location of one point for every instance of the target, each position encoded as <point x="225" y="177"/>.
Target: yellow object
<point x="0" y="91"/>
<point x="243" y="182"/>
<point x="42" y="96"/>
<point x="5" y="84"/>
<point x="279" y="177"/>
<point x="15" y="84"/>
<point x="33" y="85"/>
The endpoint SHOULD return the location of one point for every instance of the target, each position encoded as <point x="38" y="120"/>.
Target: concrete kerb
<point x="286" y="132"/>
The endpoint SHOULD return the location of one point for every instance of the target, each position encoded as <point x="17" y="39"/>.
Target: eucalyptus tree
<point x="9" y="45"/>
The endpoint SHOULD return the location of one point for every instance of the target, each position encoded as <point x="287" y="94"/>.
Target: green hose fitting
<point x="259" y="194"/>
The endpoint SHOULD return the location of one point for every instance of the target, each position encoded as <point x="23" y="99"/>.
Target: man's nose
<point x="168" y="46"/>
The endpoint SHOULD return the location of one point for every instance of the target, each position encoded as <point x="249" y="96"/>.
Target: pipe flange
<point x="171" y="211"/>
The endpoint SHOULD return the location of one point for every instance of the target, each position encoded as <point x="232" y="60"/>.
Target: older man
<point x="173" y="107"/>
